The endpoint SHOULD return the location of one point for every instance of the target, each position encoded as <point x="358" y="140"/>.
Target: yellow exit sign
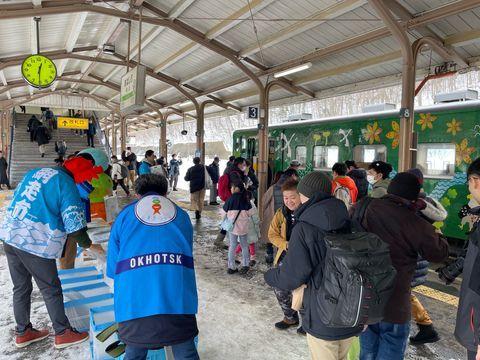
<point x="72" y="123"/>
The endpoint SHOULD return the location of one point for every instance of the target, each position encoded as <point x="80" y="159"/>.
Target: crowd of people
<point x="41" y="131"/>
<point x="319" y="230"/>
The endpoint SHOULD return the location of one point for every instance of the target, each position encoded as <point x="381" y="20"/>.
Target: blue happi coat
<point x="150" y="258"/>
<point x="45" y="208"/>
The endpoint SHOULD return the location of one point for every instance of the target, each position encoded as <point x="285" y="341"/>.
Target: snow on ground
<point x="236" y="313"/>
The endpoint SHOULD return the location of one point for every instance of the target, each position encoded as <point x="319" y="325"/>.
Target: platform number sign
<point x="405" y="112"/>
<point x="253" y="112"/>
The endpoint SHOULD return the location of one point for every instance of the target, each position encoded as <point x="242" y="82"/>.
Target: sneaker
<point x="70" y="337"/>
<point x="232" y="271"/>
<point x="285" y="324"/>
<point x="426" y="334"/>
<point x="300" y="331"/>
<point x="30" y="336"/>
<point x="243" y="270"/>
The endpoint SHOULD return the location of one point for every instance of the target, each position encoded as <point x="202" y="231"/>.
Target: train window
<point x="436" y="160"/>
<point x="237" y="143"/>
<point x="301" y="154"/>
<point x="324" y="157"/>
<point x="370" y="153"/>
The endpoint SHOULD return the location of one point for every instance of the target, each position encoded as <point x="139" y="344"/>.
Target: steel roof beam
<point x="217" y="30"/>
<point x="405" y="15"/>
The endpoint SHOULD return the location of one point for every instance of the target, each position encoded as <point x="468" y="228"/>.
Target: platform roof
<point x="349" y="47"/>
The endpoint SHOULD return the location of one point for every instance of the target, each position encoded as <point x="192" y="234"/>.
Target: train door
<point x="251" y="148"/>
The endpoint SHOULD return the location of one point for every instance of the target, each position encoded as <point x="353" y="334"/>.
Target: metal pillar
<point x="123" y="133"/>
<point x="200" y="132"/>
<point x="113" y="143"/>
<point x="163" y="136"/>
<point x="408" y="85"/>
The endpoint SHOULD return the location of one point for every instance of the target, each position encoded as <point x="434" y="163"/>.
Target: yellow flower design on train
<point x="453" y="127"/>
<point x="426" y="120"/>
<point x="394" y="134"/>
<point x="372" y="133"/>
<point x="463" y="152"/>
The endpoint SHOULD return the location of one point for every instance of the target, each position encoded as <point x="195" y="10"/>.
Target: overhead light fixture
<point x="293" y="70"/>
<point x="185" y="103"/>
<point x="109" y="49"/>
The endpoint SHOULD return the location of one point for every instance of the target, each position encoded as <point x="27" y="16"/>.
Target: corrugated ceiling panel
<point x="18" y="44"/>
<point x="206" y="10"/>
<point x="201" y="57"/>
<point x="162" y="47"/>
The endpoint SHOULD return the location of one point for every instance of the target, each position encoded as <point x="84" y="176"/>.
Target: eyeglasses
<point x="475" y="178"/>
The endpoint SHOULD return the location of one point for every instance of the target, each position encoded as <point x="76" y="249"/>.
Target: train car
<point x="448" y="141"/>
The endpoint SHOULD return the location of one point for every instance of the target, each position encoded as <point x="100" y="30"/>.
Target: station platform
<point x="236" y="313"/>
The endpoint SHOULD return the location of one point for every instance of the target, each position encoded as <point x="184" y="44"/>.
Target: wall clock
<point x="39" y="71"/>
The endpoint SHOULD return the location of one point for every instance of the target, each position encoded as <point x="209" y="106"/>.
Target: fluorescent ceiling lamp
<point x="188" y="102"/>
<point x="293" y="70"/>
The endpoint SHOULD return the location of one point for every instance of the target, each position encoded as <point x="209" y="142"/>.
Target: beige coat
<point x="268" y="213"/>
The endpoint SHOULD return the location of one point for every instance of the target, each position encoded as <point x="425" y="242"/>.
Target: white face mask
<point x="371" y="179"/>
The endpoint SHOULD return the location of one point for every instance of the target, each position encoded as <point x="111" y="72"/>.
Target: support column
<point x="262" y="148"/>
<point x="123" y="133"/>
<point x="3" y="134"/>
<point x="163" y="137"/>
<point x="408" y="85"/>
<point x="114" y="135"/>
<point x="200" y="133"/>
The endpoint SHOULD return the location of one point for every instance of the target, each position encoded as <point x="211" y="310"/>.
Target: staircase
<point x="25" y="155"/>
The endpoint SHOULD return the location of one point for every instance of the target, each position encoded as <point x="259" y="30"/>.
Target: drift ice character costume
<point x="150" y="258"/>
<point x="46" y="208"/>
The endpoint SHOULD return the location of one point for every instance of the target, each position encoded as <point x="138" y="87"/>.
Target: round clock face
<point x="39" y="71"/>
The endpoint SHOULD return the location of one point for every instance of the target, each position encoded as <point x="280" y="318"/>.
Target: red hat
<point x="82" y="169"/>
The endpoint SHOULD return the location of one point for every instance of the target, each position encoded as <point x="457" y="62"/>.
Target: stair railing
<point x="10" y="146"/>
<point x="103" y="136"/>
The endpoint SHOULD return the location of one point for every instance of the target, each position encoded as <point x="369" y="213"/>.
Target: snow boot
<point x="243" y="270"/>
<point x="30" y="336"/>
<point x="426" y="334"/>
<point x="300" y="331"/>
<point x="285" y="324"/>
<point x="219" y="240"/>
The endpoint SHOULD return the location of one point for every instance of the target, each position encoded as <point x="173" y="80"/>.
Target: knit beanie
<point x="315" y="182"/>
<point x="405" y="185"/>
<point x="418" y="173"/>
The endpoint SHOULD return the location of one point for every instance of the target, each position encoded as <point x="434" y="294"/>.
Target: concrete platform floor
<point x="236" y="313"/>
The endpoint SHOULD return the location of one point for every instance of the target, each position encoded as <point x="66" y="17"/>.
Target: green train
<point x="448" y="141"/>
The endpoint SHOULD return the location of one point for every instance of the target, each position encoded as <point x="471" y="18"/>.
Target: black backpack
<point x="358" y="280"/>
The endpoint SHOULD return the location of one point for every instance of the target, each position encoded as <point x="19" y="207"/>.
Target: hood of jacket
<point x="358" y="174"/>
<point x="345" y="181"/>
<point x="324" y="212"/>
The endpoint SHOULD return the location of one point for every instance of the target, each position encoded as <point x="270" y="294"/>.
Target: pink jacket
<point x="243" y="221"/>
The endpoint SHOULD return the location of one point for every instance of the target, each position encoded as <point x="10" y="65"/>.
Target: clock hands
<point x="39" y="71"/>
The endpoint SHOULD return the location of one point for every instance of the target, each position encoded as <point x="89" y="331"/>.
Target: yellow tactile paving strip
<point x="437" y="295"/>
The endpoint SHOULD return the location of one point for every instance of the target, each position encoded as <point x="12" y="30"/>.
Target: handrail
<point x="103" y="137"/>
<point x="10" y="146"/>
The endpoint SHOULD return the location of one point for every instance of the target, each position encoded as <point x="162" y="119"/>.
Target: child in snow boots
<point x="238" y="210"/>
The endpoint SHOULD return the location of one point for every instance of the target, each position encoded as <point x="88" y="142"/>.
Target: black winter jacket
<point x="214" y="172"/>
<point x="304" y="261"/>
<point x="467" y="329"/>
<point x="196" y="176"/>
<point x="41" y="135"/>
<point x="359" y="176"/>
